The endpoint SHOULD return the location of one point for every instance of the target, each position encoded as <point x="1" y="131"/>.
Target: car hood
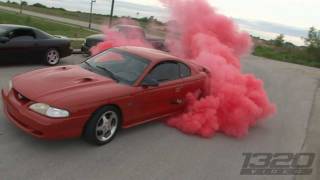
<point x="57" y="82"/>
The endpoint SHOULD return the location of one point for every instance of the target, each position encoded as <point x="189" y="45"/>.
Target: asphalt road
<point x="155" y="151"/>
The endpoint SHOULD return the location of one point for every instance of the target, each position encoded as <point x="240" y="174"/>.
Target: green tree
<point x="24" y="3"/>
<point x="39" y="5"/>
<point x="313" y="42"/>
<point x="313" y="39"/>
<point x="279" y="41"/>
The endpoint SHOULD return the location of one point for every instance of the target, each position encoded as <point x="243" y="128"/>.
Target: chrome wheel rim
<point x="106" y="126"/>
<point x="53" y="57"/>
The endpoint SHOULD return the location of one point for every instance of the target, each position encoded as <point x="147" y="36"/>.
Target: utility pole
<point x="90" y="18"/>
<point x="111" y="14"/>
<point x="20" y="6"/>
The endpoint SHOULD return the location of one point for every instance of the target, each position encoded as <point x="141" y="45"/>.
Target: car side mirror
<point x="4" y="39"/>
<point x="150" y="82"/>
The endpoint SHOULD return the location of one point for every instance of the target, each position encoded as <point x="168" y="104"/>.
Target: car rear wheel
<point x="52" y="57"/>
<point x="103" y="126"/>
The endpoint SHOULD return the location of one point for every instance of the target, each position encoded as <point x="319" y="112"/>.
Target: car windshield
<point x="121" y="66"/>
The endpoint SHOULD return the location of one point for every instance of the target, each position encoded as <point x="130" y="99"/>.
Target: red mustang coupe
<point x="118" y="88"/>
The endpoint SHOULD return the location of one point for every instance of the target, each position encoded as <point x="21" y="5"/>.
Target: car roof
<point x="97" y="36"/>
<point x="14" y="26"/>
<point x="148" y="53"/>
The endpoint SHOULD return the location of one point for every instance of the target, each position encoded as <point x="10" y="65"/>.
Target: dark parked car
<point x="22" y="43"/>
<point x="128" y="30"/>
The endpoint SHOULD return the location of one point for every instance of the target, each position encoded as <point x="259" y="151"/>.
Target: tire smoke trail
<point x="236" y="101"/>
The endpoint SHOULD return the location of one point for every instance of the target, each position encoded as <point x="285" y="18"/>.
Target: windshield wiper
<point x="111" y="74"/>
<point x="88" y="64"/>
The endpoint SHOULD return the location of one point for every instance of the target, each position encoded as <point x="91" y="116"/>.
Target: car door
<point x="155" y="102"/>
<point x="188" y="83"/>
<point x="21" y="44"/>
<point x="6" y="53"/>
<point x="43" y="42"/>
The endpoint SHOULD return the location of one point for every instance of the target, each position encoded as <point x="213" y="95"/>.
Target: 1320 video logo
<point x="277" y="163"/>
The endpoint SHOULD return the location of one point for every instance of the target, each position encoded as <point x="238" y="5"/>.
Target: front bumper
<point x="37" y="125"/>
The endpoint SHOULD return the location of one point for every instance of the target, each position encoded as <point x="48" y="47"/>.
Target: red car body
<point x="82" y="92"/>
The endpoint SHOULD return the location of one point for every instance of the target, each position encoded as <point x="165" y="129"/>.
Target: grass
<point x="291" y="55"/>
<point x="51" y="27"/>
<point x="76" y="44"/>
<point x="76" y="15"/>
<point x="96" y="18"/>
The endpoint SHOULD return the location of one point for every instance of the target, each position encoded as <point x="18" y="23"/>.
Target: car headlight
<point x="10" y="85"/>
<point x="49" y="111"/>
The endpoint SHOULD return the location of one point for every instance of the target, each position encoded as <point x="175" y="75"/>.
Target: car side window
<point x="185" y="71"/>
<point x="164" y="72"/>
<point x="22" y="34"/>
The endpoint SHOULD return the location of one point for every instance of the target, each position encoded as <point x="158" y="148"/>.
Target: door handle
<point x="177" y="101"/>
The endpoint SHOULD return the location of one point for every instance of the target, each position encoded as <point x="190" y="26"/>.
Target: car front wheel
<point x="52" y="57"/>
<point x="103" y="126"/>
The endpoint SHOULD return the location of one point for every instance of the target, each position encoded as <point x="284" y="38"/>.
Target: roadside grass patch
<point x="298" y="55"/>
<point x="54" y="28"/>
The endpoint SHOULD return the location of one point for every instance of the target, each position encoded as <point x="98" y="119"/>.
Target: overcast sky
<point x="266" y="18"/>
<point x="299" y="13"/>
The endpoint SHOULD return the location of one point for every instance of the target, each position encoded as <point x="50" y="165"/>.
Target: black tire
<point x="52" y="57"/>
<point x="93" y="135"/>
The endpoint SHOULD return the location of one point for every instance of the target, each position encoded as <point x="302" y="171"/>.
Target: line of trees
<point x="279" y="41"/>
<point x="312" y="41"/>
<point x="39" y="5"/>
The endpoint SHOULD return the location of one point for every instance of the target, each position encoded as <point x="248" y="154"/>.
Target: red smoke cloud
<point x="114" y="38"/>
<point x="236" y="101"/>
